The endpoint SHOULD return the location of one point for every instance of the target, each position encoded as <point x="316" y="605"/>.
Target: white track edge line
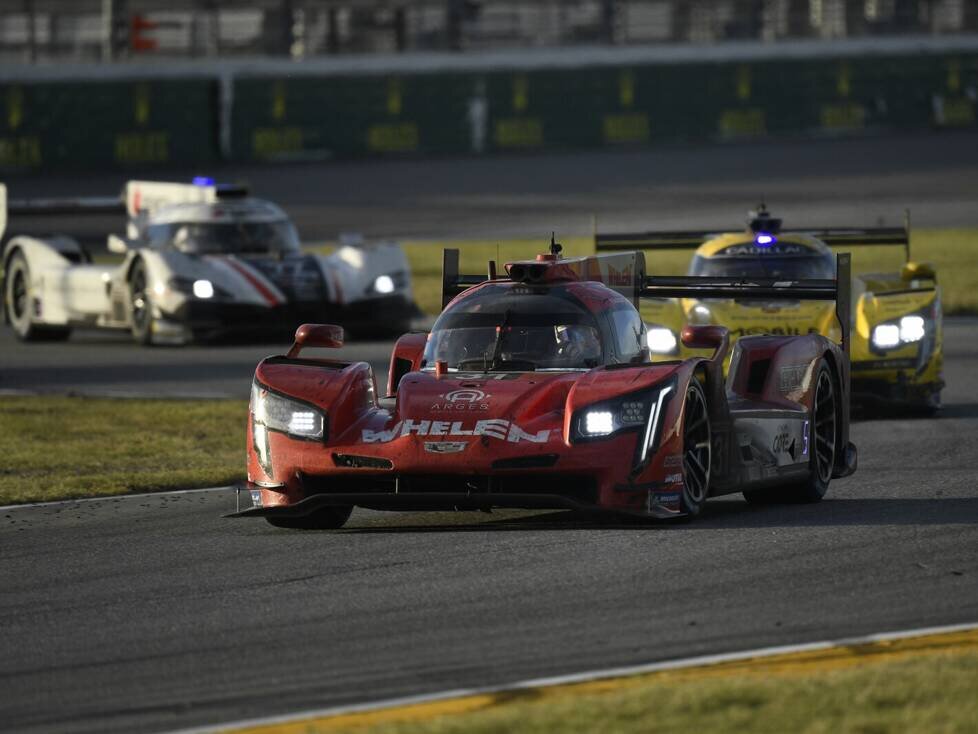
<point x="583" y="677"/>
<point x="108" y="497"/>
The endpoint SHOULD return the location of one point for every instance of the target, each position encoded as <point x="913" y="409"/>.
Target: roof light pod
<point x="763" y="239"/>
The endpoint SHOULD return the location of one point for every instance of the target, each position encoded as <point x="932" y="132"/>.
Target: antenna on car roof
<point x="761" y="221"/>
<point x="555" y="247"/>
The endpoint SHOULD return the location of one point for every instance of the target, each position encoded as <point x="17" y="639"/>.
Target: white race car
<point x="199" y="260"/>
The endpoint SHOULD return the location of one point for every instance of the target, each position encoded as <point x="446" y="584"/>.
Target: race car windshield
<point x="508" y="329"/>
<point x="213" y="238"/>
<point x="765" y="266"/>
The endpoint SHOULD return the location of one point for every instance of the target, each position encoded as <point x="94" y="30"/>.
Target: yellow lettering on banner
<point x="21" y="152"/>
<point x="632" y="128"/>
<point x="278" y="101"/>
<point x="742" y="123"/>
<point x="399" y="137"/>
<point x="518" y="132"/>
<point x="958" y="112"/>
<point x="142" y="147"/>
<point x="848" y="116"/>
<point x="269" y="142"/>
<point x="521" y="93"/>
<point x="141" y="104"/>
<point x="626" y="89"/>
<point x="954" y="75"/>
<point x="393" y="96"/>
<point x="15" y="107"/>
<point x="842" y="84"/>
<point x="743" y="82"/>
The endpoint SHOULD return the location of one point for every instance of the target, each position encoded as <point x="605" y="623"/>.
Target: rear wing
<point x="453" y="282"/>
<point x="138" y="200"/>
<point x="32" y="207"/>
<point x="622" y="272"/>
<point x="838" y="290"/>
<point x="843" y="237"/>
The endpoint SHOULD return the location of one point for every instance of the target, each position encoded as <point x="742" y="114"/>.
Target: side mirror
<point x="405" y="358"/>
<point x="709" y="336"/>
<point x="117" y="244"/>
<point x="329" y="336"/>
<point x="918" y="271"/>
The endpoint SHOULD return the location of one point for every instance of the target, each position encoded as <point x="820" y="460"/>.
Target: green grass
<point x="66" y="447"/>
<point x="954" y="253"/>
<point x="932" y="693"/>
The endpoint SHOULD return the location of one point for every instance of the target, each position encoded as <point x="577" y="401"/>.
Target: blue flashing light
<point x="203" y="181"/>
<point x="764" y="240"/>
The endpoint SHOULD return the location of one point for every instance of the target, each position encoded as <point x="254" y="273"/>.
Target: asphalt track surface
<point x="154" y="613"/>
<point x="850" y="181"/>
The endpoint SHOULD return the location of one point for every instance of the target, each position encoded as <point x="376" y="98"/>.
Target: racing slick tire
<point x="696" y="450"/>
<point x="823" y="440"/>
<point x="327" y="518"/>
<point x="17" y="304"/>
<point x="140" y="305"/>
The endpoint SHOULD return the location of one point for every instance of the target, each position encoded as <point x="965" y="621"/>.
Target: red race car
<point x="536" y="390"/>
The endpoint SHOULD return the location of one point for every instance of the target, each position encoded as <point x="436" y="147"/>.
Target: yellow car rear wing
<point x="698" y="287"/>
<point x="692" y="239"/>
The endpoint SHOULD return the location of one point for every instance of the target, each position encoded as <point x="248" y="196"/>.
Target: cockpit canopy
<point x="510" y="327"/>
<point x="225" y="237"/>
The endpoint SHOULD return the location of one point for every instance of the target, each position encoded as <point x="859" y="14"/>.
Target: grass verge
<point x="954" y="253"/>
<point x="66" y="447"/>
<point x="902" y="686"/>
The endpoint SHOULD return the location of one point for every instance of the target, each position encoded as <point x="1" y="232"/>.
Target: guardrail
<point x="438" y="104"/>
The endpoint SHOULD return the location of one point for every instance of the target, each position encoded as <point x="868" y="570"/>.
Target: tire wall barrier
<point x="90" y="124"/>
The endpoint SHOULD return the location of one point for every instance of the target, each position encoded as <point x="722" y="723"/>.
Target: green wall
<point x="96" y="124"/>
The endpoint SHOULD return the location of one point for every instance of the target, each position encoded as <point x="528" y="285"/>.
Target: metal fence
<point x="102" y="30"/>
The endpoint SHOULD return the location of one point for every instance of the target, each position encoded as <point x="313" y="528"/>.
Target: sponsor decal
<point x="781" y="248"/>
<point x="784" y="443"/>
<point x="771" y="330"/>
<point x="672" y="461"/>
<point x="445" y="447"/>
<point x="465" y="395"/>
<point x="663" y="502"/>
<point x="464" y="399"/>
<point x="256" y="497"/>
<point x="792" y="377"/>
<point x="498" y="428"/>
<point x="619" y="277"/>
<point x="673" y="478"/>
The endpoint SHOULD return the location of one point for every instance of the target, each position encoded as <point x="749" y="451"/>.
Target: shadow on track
<point x="725" y="515"/>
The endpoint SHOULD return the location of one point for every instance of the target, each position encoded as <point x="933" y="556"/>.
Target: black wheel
<point x="696" y="450"/>
<point x="823" y="439"/>
<point x="19" y="304"/>
<point x="140" y="305"/>
<point x="328" y="518"/>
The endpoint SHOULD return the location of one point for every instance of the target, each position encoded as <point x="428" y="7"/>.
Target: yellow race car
<point x="896" y="347"/>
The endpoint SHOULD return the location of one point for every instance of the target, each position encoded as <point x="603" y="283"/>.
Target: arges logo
<point x="465" y="395"/>
<point x="464" y="399"/>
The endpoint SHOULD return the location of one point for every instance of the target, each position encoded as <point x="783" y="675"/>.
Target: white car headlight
<point x="661" y="340"/>
<point x="278" y="413"/>
<point x="912" y="329"/>
<point x="599" y="422"/>
<point x="886" y="336"/>
<point x="384" y="284"/>
<point x="908" y="330"/>
<point x="203" y="289"/>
